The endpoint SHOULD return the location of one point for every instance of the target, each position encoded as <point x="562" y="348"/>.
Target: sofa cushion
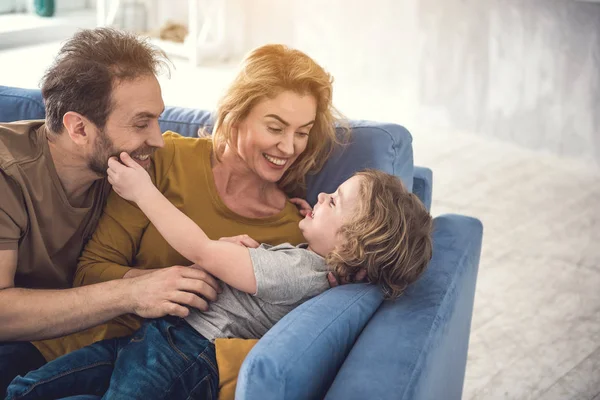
<point x="383" y="146"/>
<point x="20" y="104"/>
<point x="185" y="121"/>
<point x="299" y="357"/>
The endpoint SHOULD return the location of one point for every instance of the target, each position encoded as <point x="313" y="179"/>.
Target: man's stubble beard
<point x="103" y="150"/>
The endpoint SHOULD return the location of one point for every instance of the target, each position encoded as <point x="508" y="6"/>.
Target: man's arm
<point x="32" y="314"/>
<point x="27" y="314"/>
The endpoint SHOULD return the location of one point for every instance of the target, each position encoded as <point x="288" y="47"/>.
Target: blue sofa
<point x="347" y="343"/>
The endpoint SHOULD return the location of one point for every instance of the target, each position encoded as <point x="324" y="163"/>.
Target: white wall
<point x="524" y="71"/>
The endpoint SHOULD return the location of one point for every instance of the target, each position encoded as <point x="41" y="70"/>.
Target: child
<point x="370" y="223"/>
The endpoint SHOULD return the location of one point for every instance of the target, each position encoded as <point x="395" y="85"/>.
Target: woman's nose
<point x="286" y="145"/>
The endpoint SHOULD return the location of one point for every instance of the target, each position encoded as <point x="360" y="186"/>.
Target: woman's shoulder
<point x="178" y="147"/>
<point x="175" y="142"/>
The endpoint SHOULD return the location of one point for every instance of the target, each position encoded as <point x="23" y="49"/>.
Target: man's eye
<point x="144" y="126"/>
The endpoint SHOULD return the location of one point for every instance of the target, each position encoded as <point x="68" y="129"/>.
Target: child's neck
<point x="309" y="248"/>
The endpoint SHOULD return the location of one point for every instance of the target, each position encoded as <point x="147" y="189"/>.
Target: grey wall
<point x="526" y="71"/>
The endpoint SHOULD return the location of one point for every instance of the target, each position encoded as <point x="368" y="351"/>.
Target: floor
<point x="536" y="322"/>
<point x="536" y="325"/>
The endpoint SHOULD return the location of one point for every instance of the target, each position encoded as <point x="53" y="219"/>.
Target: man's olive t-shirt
<point x="36" y="217"/>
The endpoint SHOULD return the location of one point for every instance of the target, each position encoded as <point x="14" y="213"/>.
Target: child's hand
<point x="129" y="180"/>
<point x="303" y="207"/>
<point x="334" y="281"/>
<point x="242" y="240"/>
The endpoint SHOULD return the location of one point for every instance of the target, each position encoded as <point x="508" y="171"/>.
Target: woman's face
<point x="275" y="133"/>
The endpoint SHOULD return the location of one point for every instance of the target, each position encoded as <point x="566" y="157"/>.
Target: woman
<point x="275" y="124"/>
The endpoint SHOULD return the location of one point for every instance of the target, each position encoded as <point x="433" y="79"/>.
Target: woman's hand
<point x="303" y="207"/>
<point x="242" y="240"/>
<point x="128" y="179"/>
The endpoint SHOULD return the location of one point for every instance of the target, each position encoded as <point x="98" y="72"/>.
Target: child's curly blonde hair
<point x="390" y="237"/>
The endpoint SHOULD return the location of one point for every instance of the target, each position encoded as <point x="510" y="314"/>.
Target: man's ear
<point x="77" y="127"/>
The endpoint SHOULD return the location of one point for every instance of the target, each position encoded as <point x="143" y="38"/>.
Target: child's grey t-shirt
<point x="286" y="276"/>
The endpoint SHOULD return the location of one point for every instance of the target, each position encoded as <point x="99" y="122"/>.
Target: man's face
<point x="132" y="126"/>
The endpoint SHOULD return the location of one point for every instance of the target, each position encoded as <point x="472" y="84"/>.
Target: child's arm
<point x="227" y="261"/>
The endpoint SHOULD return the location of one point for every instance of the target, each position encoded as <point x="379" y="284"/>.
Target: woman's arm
<point x="227" y="261"/>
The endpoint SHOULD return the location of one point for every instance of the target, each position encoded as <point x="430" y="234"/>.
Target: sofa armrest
<point x="415" y="348"/>
<point x="423" y="185"/>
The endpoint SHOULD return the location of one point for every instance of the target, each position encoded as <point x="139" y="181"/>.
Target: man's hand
<point x="169" y="291"/>
<point x="129" y="180"/>
<point x="303" y="207"/>
<point x="242" y="240"/>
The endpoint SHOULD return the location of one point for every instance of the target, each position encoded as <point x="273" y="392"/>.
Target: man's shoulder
<point x="19" y="143"/>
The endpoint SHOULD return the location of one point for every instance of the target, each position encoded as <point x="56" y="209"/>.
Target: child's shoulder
<point x="285" y="253"/>
<point x="284" y="246"/>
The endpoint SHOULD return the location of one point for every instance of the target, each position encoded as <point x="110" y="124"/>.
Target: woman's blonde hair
<point x="265" y="73"/>
<point x="390" y="237"/>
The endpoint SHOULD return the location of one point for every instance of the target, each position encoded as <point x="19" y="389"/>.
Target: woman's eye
<point x="274" y="130"/>
<point x="303" y="134"/>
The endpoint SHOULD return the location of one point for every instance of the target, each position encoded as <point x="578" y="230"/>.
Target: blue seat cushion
<point x="300" y="356"/>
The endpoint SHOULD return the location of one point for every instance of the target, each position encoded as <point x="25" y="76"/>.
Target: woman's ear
<point x="234" y="133"/>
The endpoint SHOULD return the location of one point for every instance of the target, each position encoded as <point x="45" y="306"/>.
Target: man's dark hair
<point x="87" y="68"/>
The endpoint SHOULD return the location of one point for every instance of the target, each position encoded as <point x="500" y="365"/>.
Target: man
<point x="101" y="97"/>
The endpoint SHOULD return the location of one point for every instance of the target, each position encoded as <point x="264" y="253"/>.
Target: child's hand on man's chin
<point x="128" y="179"/>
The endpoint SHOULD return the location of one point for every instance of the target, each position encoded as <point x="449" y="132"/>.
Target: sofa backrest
<point x="383" y="146"/>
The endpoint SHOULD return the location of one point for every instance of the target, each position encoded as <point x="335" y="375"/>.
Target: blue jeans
<point x="17" y="358"/>
<point x="165" y="359"/>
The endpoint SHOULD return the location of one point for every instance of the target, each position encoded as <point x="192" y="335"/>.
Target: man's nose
<point x="156" y="139"/>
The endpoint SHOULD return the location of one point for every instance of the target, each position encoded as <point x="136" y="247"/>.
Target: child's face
<point x="320" y="228"/>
